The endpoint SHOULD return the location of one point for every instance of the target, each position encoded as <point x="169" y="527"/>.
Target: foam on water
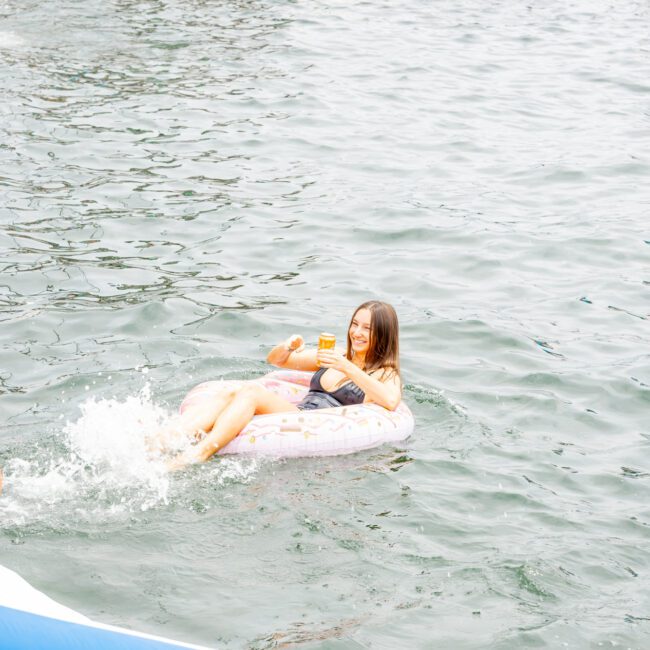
<point x="100" y="466"/>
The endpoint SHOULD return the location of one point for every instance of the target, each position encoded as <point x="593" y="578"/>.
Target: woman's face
<point x="360" y="331"/>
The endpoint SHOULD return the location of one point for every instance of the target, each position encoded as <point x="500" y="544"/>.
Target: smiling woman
<point x="366" y="372"/>
<point x="372" y="353"/>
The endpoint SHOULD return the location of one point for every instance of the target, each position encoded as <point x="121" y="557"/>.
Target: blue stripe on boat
<point x="21" y="630"/>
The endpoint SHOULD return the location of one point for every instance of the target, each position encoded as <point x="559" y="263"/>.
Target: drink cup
<point x="326" y="341"/>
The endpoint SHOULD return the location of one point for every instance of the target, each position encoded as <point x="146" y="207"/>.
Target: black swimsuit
<point x="319" y="398"/>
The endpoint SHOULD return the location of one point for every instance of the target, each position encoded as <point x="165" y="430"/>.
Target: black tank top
<point x="319" y="398"/>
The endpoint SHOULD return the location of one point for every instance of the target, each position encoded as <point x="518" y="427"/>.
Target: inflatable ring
<point x="321" y="432"/>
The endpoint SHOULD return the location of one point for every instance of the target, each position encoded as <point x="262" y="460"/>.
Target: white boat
<point x="30" y="620"/>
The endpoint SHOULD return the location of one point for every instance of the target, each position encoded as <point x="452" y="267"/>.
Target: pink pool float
<point x="320" y="432"/>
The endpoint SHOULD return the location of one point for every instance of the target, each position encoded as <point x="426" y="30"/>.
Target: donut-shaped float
<point x="321" y="432"/>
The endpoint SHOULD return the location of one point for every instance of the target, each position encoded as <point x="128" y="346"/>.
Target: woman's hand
<point x="292" y="354"/>
<point x="334" y="359"/>
<point x="295" y="343"/>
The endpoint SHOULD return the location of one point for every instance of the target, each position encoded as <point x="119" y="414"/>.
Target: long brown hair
<point x="383" y="345"/>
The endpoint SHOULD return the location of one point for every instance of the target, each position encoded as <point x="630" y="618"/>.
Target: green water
<point x="185" y="184"/>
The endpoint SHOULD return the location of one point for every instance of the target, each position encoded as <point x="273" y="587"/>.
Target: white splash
<point x="111" y="436"/>
<point x="104" y="467"/>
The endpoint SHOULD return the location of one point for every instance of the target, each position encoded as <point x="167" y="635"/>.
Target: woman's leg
<point x="195" y="421"/>
<point x="250" y="400"/>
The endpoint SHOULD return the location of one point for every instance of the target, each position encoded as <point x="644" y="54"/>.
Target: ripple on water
<point x="184" y="184"/>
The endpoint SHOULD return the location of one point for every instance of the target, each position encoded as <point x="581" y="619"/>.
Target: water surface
<point x="185" y="184"/>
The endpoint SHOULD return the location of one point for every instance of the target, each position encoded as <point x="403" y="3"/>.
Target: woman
<point x="368" y="371"/>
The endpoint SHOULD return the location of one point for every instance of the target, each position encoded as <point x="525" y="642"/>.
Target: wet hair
<point x="383" y="344"/>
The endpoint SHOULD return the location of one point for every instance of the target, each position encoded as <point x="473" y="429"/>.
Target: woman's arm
<point x="385" y="390"/>
<point x="292" y="354"/>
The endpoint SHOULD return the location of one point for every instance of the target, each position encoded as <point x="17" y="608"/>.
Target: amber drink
<point x="326" y="341"/>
